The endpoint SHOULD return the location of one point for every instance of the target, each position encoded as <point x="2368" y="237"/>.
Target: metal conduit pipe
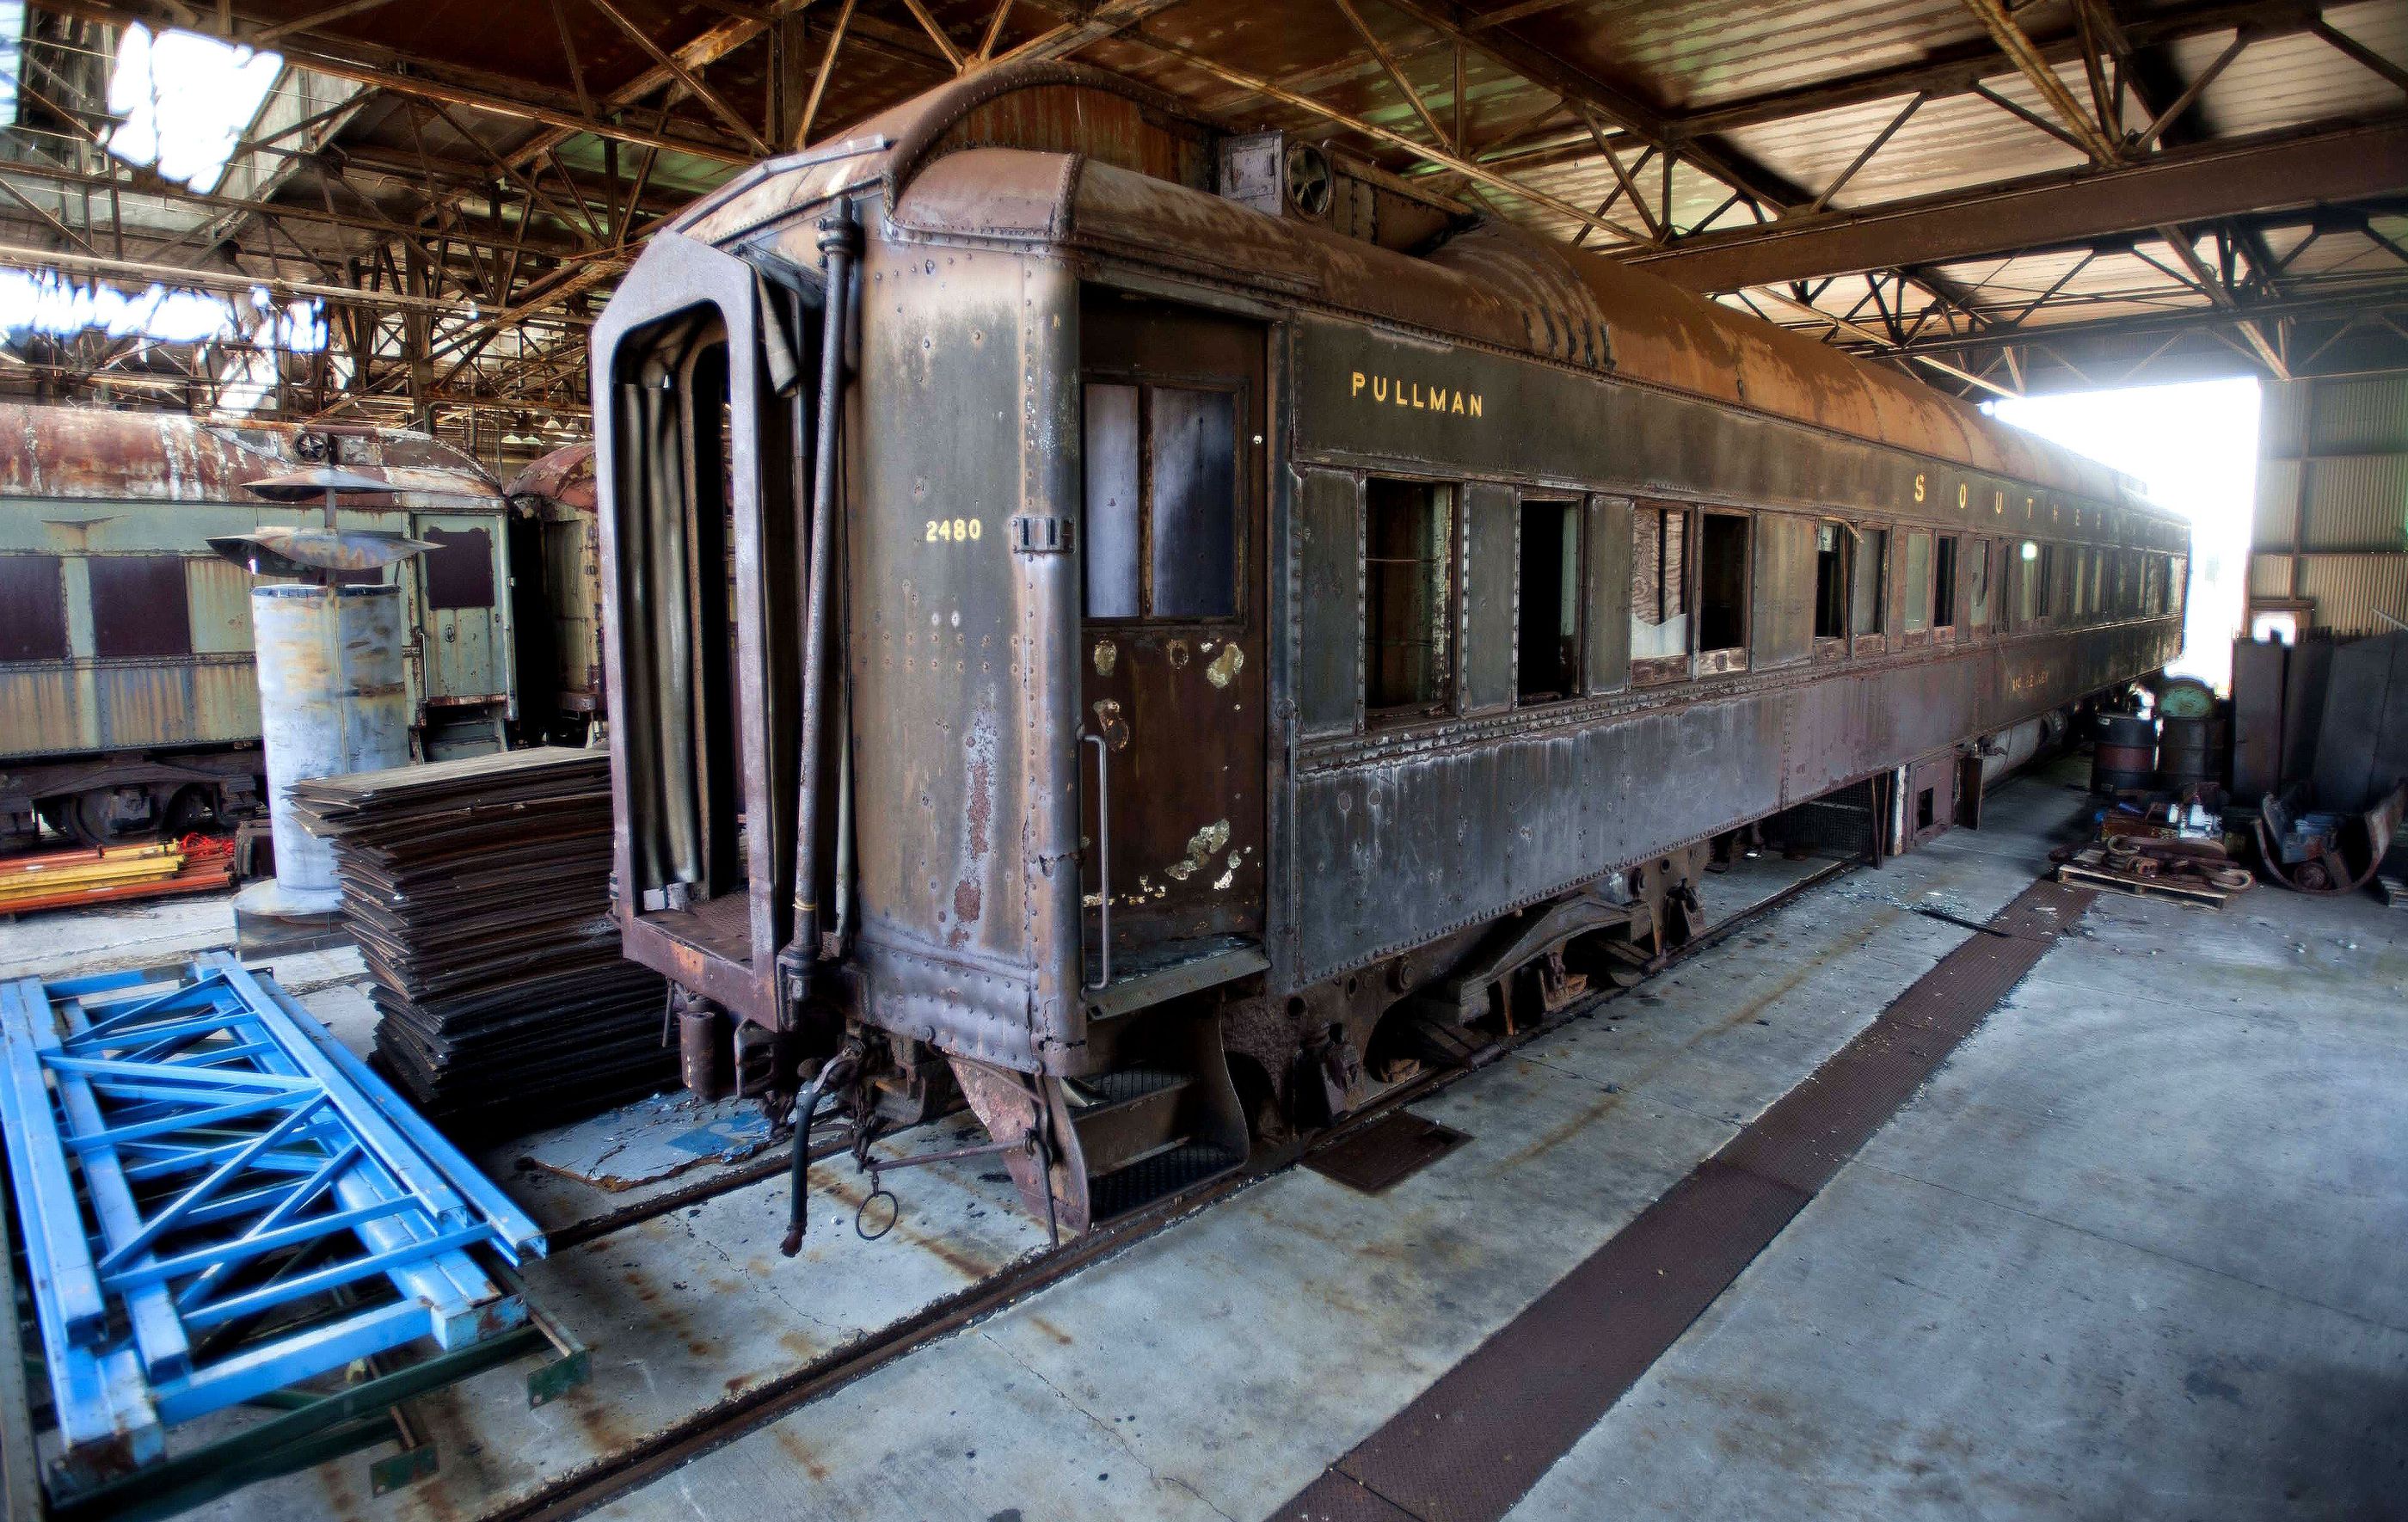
<point x="840" y="245"/>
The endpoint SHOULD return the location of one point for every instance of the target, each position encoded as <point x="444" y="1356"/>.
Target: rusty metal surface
<point x="562" y="480"/>
<point x="84" y="453"/>
<point x="1387" y="1152"/>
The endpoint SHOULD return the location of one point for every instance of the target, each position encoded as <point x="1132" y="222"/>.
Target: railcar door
<point x="1171" y="645"/>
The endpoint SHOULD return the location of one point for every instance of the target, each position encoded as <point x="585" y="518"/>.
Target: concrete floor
<point x="2134" y="1252"/>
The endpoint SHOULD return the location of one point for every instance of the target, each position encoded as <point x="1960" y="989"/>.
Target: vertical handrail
<point x="1103" y="863"/>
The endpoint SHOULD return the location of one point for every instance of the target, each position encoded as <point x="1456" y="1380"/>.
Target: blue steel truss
<point x="218" y="1200"/>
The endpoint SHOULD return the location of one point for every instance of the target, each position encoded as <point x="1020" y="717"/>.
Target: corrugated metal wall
<point x="2330" y="531"/>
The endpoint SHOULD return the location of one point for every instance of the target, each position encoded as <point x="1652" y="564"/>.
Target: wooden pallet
<point x="2173" y="889"/>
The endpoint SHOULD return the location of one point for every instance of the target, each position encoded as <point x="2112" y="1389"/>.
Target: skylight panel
<point x="182" y="100"/>
<point x="13" y="57"/>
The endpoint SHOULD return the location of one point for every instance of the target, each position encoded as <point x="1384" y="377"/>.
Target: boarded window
<point x="1722" y="581"/>
<point x="1549" y="630"/>
<point x="1870" y="604"/>
<point x="1944" y="581"/>
<point x="33" y="608"/>
<point x="460" y="569"/>
<point x="1918" y="580"/>
<point x="1409" y="604"/>
<point x="1977" y="583"/>
<point x="1659" y="580"/>
<point x="139" y="610"/>
<point x="1830" y="581"/>
<point x="1162" y="516"/>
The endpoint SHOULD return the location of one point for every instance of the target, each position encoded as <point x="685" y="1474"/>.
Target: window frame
<point x="1948" y="590"/>
<point x="1877" y="539"/>
<point x="1447" y="701"/>
<point x="1664" y="670"/>
<point x="1575" y="509"/>
<point x="1832" y="647"/>
<point x="1731" y="659"/>
<point x="1145" y="382"/>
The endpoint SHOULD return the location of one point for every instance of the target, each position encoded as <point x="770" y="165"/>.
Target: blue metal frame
<point x="219" y="1200"/>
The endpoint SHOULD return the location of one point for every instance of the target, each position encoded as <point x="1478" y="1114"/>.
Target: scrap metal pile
<point x="84" y="876"/>
<point x="478" y="892"/>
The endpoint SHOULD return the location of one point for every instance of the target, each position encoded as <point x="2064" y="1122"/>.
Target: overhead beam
<point x="2344" y="164"/>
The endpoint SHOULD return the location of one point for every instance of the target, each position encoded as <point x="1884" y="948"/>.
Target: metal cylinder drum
<point x="331" y="701"/>
<point x="2124" y="758"/>
<point x="2189" y="750"/>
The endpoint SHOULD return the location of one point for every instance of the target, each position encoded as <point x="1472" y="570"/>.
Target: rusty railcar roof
<point x="564" y="476"/>
<point x="1062" y="155"/>
<point x="101" y="454"/>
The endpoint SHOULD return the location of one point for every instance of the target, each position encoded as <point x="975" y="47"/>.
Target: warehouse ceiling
<point x="1998" y="199"/>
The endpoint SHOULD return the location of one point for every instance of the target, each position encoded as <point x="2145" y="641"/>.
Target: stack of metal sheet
<point x="478" y="892"/>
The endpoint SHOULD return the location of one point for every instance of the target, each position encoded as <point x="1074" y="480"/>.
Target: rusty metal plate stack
<point x="479" y="893"/>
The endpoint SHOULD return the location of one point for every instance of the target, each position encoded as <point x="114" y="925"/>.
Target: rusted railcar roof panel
<point x="564" y="476"/>
<point x="103" y="454"/>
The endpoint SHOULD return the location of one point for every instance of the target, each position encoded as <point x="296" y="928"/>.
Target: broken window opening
<point x="1549" y="620"/>
<point x="1409" y="606"/>
<point x="1830" y="581"/>
<point x="1722" y="582"/>
<point x="1943" y="583"/>
<point x="1660" y="583"/>
<point x="1977" y="584"/>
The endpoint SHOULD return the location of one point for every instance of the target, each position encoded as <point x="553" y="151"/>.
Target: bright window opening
<point x="1918" y="580"/>
<point x="1659" y="583"/>
<point x="181" y="101"/>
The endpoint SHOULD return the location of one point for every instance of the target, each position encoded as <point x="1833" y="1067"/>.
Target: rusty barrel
<point x="2124" y="758"/>
<point x="2190" y="751"/>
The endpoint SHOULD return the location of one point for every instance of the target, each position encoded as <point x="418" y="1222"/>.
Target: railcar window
<point x="1194" y="439"/>
<point x="1550" y="600"/>
<point x="2153" y="586"/>
<point x="1918" y="580"/>
<point x="1409" y="606"/>
<point x="1161" y="466"/>
<point x="1977" y="584"/>
<point x="1870" y="614"/>
<point x="2177" y="584"/>
<point x="1722" y="582"/>
<point x="1659" y="587"/>
<point x="459" y="569"/>
<point x="33" y="608"/>
<point x="1944" y="581"/>
<point x="1113" y="536"/>
<point x="140" y="606"/>
<point x="1830" y="581"/>
<point x="2032" y="582"/>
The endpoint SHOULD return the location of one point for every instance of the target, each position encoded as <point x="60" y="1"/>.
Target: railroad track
<point x="582" y="1490"/>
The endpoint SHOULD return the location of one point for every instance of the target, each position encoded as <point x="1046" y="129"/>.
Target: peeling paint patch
<point x="1225" y="665"/>
<point x="1178" y="655"/>
<point x="1113" y="729"/>
<point x="1201" y="847"/>
<point x="1108" y="655"/>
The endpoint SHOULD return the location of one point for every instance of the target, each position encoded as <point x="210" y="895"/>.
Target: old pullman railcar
<point x="127" y="696"/>
<point x="1252" y="633"/>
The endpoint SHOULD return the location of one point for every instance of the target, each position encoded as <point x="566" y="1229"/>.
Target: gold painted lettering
<point x="1379" y="388"/>
<point x="1358" y="385"/>
<point x="1458" y="407"/>
<point x="1475" y="403"/>
<point x="1417" y="397"/>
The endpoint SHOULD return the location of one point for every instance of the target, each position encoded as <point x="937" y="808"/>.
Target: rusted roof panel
<point x="564" y="476"/>
<point x="98" y="454"/>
